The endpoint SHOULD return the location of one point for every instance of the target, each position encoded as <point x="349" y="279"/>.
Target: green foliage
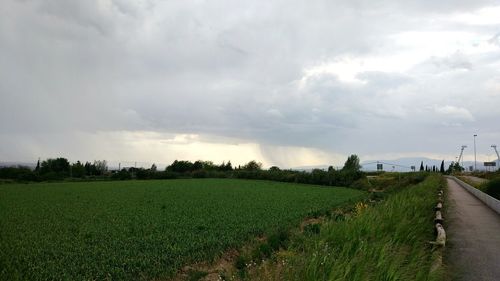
<point x="252" y="166"/>
<point x="59" y="167"/>
<point x="352" y="164"/>
<point x="278" y="240"/>
<point x="240" y="263"/>
<point x="186" y="167"/>
<point x="17" y="173"/>
<point x="362" y="184"/>
<point x="492" y="188"/>
<point x="144" y="229"/>
<point x="180" y="167"/>
<point x="388" y="183"/>
<point x="98" y="168"/>
<point x="313" y="228"/>
<point x="122" y="175"/>
<point x="385" y="242"/>
<point x="262" y="252"/>
<point x="274" y="169"/>
<point x="454" y="168"/>
<point x="77" y="170"/>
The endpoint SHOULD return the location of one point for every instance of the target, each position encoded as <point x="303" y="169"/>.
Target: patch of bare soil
<point x="213" y="271"/>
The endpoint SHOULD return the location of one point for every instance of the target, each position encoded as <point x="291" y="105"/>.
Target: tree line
<point x="452" y="168"/>
<point x="61" y="168"/>
<point x="55" y="169"/>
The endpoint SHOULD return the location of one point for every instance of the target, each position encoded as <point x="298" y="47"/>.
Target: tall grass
<point x="386" y="242"/>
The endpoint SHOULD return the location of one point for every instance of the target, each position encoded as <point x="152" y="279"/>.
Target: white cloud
<point x="454" y="113"/>
<point x="482" y="16"/>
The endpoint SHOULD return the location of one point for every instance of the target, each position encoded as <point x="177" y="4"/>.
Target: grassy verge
<point x="470" y="182"/>
<point x="388" y="241"/>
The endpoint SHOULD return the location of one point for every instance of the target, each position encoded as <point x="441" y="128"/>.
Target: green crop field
<point x="142" y="229"/>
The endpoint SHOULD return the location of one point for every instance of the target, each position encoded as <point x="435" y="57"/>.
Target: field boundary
<point x="490" y="201"/>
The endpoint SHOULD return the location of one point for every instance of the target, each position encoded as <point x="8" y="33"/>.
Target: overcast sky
<point x="288" y="83"/>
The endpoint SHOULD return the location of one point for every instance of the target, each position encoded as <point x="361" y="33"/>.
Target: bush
<point x="492" y="188"/>
<point x="240" y="263"/>
<point x="361" y="184"/>
<point x="262" y="252"/>
<point x="17" y="173"/>
<point x="278" y="240"/>
<point x="121" y="175"/>
<point x="198" y="174"/>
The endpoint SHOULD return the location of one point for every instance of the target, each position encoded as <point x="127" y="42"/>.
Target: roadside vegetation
<point x="371" y="241"/>
<point x="490" y="186"/>
<point x="143" y="230"/>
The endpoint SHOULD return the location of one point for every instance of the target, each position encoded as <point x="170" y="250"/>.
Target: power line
<point x="390" y="164"/>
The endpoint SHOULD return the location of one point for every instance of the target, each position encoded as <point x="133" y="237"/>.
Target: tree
<point x="352" y="164"/>
<point x="210" y="166"/>
<point x="153" y="168"/>
<point x="17" y="173"/>
<point x="421" y="166"/>
<point x="78" y="170"/>
<point x="89" y="169"/>
<point x="180" y="167"/>
<point x="454" y="167"/>
<point x="441" y="170"/>
<point x="58" y="166"/>
<point x="37" y="169"/>
<point x="226" y="167"/>
<point x="197" y="165"/>
<point x="331" y="175"/>
<point x="351" y="170"/>
<point x="101" y="167"/>
<point x="252" y="166"/>
<point x="274" y="169"/>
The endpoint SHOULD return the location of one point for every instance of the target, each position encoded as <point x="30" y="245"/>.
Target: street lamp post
<point x="475" y="167"/>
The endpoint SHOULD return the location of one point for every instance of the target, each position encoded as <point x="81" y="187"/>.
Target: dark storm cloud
<point x="249" y="71"/>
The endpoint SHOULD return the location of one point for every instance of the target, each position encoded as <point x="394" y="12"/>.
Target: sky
<point x="287" y="83"/>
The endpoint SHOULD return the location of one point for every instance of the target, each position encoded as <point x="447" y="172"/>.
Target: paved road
<point x="473" y="232"/>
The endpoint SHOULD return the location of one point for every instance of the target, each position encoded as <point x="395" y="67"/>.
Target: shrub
<point x="492" y="188"/>
<point x="278" y="240"/>
<point x="198" y="174"/>
<point x="361" y="184"/>
<point x="121" y="175"/>
<point x="262" y="252"/>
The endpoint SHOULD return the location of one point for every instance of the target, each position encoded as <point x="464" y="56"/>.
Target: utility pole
<point x="475" y="167"/>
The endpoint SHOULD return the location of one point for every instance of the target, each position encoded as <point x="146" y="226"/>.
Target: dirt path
<point x="473" y="230"/>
